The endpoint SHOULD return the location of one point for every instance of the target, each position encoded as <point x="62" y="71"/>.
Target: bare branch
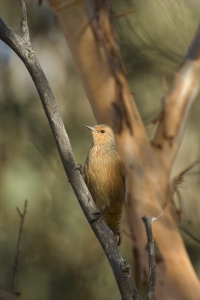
<point x="178" y="102"/>
<point x="24" y="23"/>
<point x="124" y="14"/>
<point x="190" y="235"/>
<point x="16" y="259"/>
<point x="176" y="181"/>
<point x="152" y="260"/>
<point x="181" y="211"/>
<point x="104" y="234"/>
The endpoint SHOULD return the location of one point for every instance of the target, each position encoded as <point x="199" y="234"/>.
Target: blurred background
<point x="60" y="256"/>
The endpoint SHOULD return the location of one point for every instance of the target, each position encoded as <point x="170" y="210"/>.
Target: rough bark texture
<point x="88" y="29"/>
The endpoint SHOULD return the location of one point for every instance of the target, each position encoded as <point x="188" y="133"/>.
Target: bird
<point x="104" y="175"/>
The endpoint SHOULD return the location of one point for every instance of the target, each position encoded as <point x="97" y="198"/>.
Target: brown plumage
<point x="104" y="177"/>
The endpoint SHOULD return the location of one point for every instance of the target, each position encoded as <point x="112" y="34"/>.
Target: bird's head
<point x="102" y="135"/>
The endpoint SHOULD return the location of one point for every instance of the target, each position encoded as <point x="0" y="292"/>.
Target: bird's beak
<point x="90" y="127"/>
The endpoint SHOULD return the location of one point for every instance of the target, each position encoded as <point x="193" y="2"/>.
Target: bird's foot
<point x="119" y="238"/>
<point x="97" y="215"/>
<point x="80" y="169"/>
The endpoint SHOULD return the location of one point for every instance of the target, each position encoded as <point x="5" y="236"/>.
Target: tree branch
<point x="152" y="260"/>
<point x="190" y="235"/>
<point x="15" y="294"/>
<point x="120" y="267"/>
<point x="184" y="90"/>
<point x="16" y="259"/>
<point x="176" y="181"/>
<point x="24" y="23"/>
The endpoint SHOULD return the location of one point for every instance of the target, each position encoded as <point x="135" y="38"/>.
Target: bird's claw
<point x="119" y="238"/>
<point x="98" y="215"/>
<point x="80" y="169"/>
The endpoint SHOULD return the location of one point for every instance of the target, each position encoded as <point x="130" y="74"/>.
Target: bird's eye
<point x="102" y="131"/>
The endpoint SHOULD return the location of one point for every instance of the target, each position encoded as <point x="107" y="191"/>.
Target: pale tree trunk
<point x="89" y="32"/>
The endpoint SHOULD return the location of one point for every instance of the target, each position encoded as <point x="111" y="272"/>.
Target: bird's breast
<point x="104" y="176"/>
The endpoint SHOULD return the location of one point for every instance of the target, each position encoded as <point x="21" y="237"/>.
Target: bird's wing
<point x="85" y="172"/>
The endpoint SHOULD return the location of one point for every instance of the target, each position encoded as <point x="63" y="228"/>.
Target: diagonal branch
<point x="120" y="267"/>
<point x="184" y="90"/>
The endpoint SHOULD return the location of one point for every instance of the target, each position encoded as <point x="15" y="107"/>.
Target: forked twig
<point x="176" y="181"/>
<point x="16" y="259"/>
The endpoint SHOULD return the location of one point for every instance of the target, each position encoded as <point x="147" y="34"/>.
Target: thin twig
<point x="124" y="14"/>
<point x="152" y="260"/>
<point x="176" y="181"/>
<point x="17" y="254"/>
<point x="190" y="235"/>
<point x="24" y="23"/>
